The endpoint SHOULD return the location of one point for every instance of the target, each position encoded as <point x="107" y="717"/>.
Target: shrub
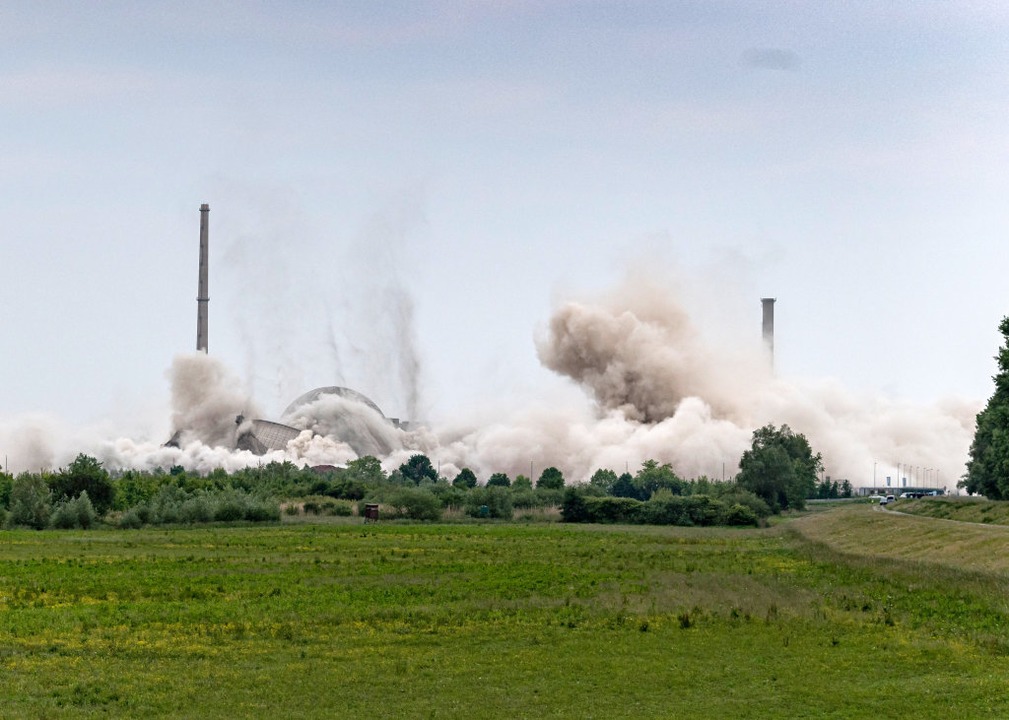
<point x="449" y="495"/>
<point x="6" y="483"/>
<point x="131" y="519"/>
<point x="465" y="479"/>
<point x="574" y="508"/>
<point x="496" y="499"/>
<point x="230" y="508"/>
<point x="499" y="480"/>
<point x="341" y="509"/>
<point x="415" y="504"/>
<point x="77" y="513"/>
<point x="259" y="510"/>
<point x="613" y="509"/>
<point x="347" y="490"/>
<point x="166" y="506"/>
<point x="547" y="497"/>
<point x="30" y="502"/>
<point x="703" y="510"/>
<point x="85" y="473"/>
<point x="740" y="515"/>
<point x="524" y="499"/>
<point x="734" y="494"/>
<point x="196" y="509"/>
<point x="666" y="509"/>
<point x="551" y="479"/>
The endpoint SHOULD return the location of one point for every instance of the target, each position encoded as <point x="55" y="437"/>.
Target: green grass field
<point x="804" y="619"/>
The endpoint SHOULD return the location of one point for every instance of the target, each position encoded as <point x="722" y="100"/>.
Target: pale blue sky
<point x="484" y="159"/>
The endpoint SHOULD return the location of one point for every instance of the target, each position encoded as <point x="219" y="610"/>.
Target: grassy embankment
<point x="963" y="509"/>
<point x="502" y="621"/>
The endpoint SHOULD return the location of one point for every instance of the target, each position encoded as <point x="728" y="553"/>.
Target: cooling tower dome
<point x="335" y="412"/>
<point x="345" y="415"/>
<point x="312" y="395"/>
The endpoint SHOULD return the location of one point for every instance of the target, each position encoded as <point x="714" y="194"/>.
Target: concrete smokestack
<point x="768" y="326"/>
<point x="203" y="297"/>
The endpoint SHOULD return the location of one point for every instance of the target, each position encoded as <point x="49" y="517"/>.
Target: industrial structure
<point x="336" y="412"/>
<point x="203" y="292"/>
<point x="768" y="326"/>
<point x="339" y="413"/>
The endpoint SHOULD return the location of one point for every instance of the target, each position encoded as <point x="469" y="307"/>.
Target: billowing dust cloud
<point x="206" y="400"/>
<point x="663" y="389"/>
<point x="652" y="384"/>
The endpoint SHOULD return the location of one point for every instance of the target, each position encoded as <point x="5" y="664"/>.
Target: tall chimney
<point x="202" y="297"/>
<point x="768" y="326"/>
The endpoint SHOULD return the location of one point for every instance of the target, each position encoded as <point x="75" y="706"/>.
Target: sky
<point x="402" y="193"/>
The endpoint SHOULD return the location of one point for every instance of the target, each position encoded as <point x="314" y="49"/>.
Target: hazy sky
<point x="435" y="176"/>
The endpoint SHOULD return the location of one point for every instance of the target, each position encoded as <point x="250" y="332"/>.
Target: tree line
<point x="777" y="473"/>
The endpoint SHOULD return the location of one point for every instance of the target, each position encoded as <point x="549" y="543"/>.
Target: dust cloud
<point x="661" y="387"/>
<point x="640" y="378"/>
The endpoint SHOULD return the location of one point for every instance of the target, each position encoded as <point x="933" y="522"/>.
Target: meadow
<point x="809" y="618"/>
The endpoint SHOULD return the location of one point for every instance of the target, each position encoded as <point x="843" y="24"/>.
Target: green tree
<point x="6" y="483"/>
<point x="365" y="469"/>
<point x="522" y="483"/>
<point x="499" y="480"/>
<point x="988" y="462"/>
<point x="465" y="479"/>
<point x="653" y="477"/>
<point x="551" y="479"/>
<point x="415" y="504"/>
<point x="780" y="468"/>
<point x="417" y="469"/>
<point x="85" y="473"/>
<point x="30" y="502"/>
<point x="624" y="487"/>
<point x="493" y="501"/>
<point x="603" y="480"/>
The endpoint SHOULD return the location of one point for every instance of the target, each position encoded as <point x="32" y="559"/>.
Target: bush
<point x="415" y="504"/>
<point x="449" y="495"/>
<point x="231" y="508"/>
<point x="499" y="480"/>
<point x="525" y="499"/>
<point x="490" y="502"/>
<point x="259" y="510"/>
<point x="30" y="502"/>
<point x="551" y="479"/>
<point x="666" y="509"/>
<point x="341" y="509"/>
<point x="85" y="473"/>
<point x="734" y="494"/>
<point x="131" y="519"/>
<point x="196" y="509"/>
<point x="741" y="515"/>
<point x="465" y="479"/>
<point x="546" y="497"/>
<point x="574" y="508"/>
<point x="347" y="490"/>
<point x="78" y="513"/>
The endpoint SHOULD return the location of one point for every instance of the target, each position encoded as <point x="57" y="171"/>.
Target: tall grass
<point x="494" y="620"/>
